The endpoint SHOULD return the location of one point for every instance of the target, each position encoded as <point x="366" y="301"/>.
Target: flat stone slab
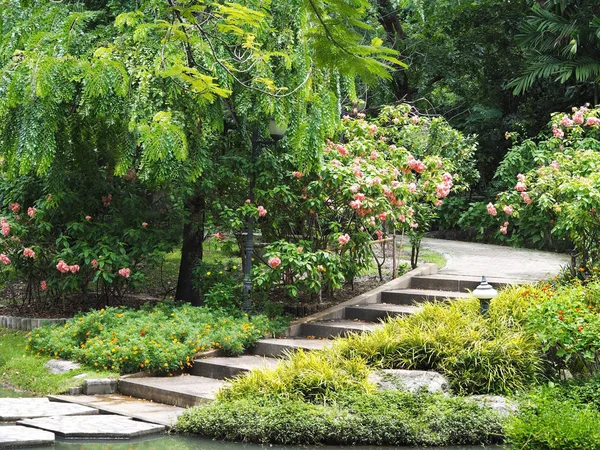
<point x="126" y="406"/>
<point x="98" y="427"/>
<point x="13" y="409"/>
<point x="12" y="436"/>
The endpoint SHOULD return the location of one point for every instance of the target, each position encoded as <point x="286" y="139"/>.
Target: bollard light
<point x="484" y="292"/>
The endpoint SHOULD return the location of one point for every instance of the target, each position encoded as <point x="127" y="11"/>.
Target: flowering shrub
<point x="559" y="192"/>
<point x="72" y="242"/>
<point x="384" y="175"/>
<point x="158" y="338"/>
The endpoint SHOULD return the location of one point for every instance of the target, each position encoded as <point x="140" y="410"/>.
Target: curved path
<point x="466" y="258"/>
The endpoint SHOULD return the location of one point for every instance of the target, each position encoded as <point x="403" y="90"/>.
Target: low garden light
<point x="484" y="292"/>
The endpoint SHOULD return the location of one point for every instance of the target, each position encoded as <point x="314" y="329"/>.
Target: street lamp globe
<point x="276" y="130"/>
<point x="484" y="292"/>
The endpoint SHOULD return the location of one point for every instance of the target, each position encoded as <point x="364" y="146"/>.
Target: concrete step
<point x="335" y="328"/>
<point x="458" y="283"/>
<point x="275" y="348"/>
<point x="378" y="311"/>
<point x="411" y="296"/>
<point x="224" y="367"/>
<point x="182" y="391"/>
<point x="144" y="410"/>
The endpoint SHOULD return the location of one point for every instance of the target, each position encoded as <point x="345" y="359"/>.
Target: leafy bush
<point x="380" y="418"/>
<point x="478" y="355"/>
<point x="547" y="423"/>
<point x="157" y="338"/>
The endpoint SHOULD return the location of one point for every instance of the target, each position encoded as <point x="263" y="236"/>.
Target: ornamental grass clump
<point x="479" y="355"/>
<point x="160" y="338"/>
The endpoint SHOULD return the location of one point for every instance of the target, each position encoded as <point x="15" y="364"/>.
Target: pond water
<point x="189" y="443"/>
<point x="5" y="391"/>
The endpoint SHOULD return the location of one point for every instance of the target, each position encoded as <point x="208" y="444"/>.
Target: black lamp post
<point x="277" y="132"/>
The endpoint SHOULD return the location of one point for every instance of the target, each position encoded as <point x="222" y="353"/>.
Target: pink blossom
<point x="382" y="216"/>
<point x="379" y="235"/>
<point x="396" y="120"/>
<point x="402" y="218"/>
<point x="392" y="147"/>
<point x="416" y="165"/>
<point x="521" y="177"/>
<point x="382" y="138"/>
<point x="555" y="165"/>
<point x="508" y="209"/>
<point x="94" y="263"/>
<point x="341" y="149"/>
<point x="376" y="180"/>
<point x="27" y="252"/>
<point x="31" y="211"/>
<point x="355" y="204"/>
<point x="439" y="203"/>
<point x="412" y="187"/>
<point x="355" y="188"/>
<point x="4" y="259"/>
<point x="88" y="218"/>
<point x="520" y="186"/>
<point x="372" y="129"/>
<point x="504" y="228"/>
<point x="410" y="212"/>
<point x="359" y="196"/>
<point x="262" y="212"/>
<point x="335" y="162"/>
<point x="74" y="268"/>
<point x="414" y="225"/>
<point x="106" y="199"/>
<point x="344" y="239"/>
<point x="5" y="229"/>
<point x="248" y="201"/>
<point x="219" y="236"/>
<point x="442" y="190"/>
<point x="578" y="117"/>
<point x="345" y="118"/>
<point x="144" y="224"/>
<point x="125" y="272"/>
<point x="374" y="155"/>
<point x="565" y="121"/>
<point x="447" y="177"/>
<point x="414" y="119"/>
<point x="357" y="172"/>
<point x="491" y="209"/>
<point x="62" y="267"/>
<point x="592" y="121"/>
<point x="361" y="115"/>
<point x="274" y="262"/>
<point x="395" y="184"/>
<point x="43" y="285"/>
<point x="15" y="207"/>
<point x="297" y="174"/>
<point x="557" y="132"/>
<point x="526" y="198"/>
<point x="300" y="249"/>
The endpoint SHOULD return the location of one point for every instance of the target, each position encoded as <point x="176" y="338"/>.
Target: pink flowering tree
<point x="559" y="193"/>
<point x="386" y="175"/>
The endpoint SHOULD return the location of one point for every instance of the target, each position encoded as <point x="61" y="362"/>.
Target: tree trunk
<point x="191" y="250"/>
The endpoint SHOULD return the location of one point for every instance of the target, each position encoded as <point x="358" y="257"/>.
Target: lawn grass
<point x="27" y="373"/>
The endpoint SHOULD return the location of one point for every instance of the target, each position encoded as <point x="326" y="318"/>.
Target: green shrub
<point x="479" y="355"/>
<point x="380" y="418"/>
<point x="546" y="423"/>
<point x="159" y="338"/>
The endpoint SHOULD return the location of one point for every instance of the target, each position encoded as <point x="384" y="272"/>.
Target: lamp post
<point x="484" y="292"/>
<point x="277" y="132"/>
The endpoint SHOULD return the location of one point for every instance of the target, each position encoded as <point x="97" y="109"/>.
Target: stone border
<point x="370" y="297"/>
<point x="26" y="323"/>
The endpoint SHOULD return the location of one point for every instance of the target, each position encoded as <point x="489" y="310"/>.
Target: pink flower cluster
<point x="5" y="227"/>
<point x="31" y="211"/>
<point x="504" y="228"/>
<point x="508" y="209"/>
<point x="43" y="285"/>
<point x="491" y="209"/>
<point x="15" y="207"/>
<point x="343" y="151"/>
<point x="4" y="259"/>
<point x="125" y="272"/>
<point x="28" y="253"/>
<point x="63" y="267"/>
<point x="274" y="262"/>
<point x="557" y="132"/>
<point x="415" y="164"/>
<point x="106" y="199"/>
<point x="262" y="212"/>
<point x="297" y="174"/>
<point x="219" y="236"/>
<point x="344" y="239"/>
<point x="443" y="190"/>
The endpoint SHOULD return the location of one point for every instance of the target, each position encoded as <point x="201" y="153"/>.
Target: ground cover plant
<point x="24" y="371"/>
<point x="161" y="338"/>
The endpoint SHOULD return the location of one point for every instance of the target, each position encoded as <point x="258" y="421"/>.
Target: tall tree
<point x="156" y="86"/>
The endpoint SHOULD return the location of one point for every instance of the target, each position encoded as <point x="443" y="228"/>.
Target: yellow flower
<point x="234" y="267"/>
<point x="207" y="273"/>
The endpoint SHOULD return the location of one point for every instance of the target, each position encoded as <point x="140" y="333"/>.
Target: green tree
<point x="169" y="88"/>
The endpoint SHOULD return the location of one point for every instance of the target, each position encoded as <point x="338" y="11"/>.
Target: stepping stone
<point x="13" y="409"/>
<point x="98" y="427"/>
<point x="278" y="347"/>
<point x="335" y="328"/>
<point x="229" y="367"/>
<point x="183" y="391"/>
<point x="12" y="436"/>
<point x="136" y="408"/>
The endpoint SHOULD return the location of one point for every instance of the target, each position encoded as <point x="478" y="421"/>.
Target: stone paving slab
<point x="98" y="427"/>
<point x="12" y="436"/>
<point x="126" y="406"/>
<point x="13" y="409"/>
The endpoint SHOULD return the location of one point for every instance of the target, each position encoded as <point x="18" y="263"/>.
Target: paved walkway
<point x="469" y="259"/>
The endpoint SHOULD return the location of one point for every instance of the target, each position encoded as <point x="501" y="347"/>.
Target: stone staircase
<point x="399" y="297"/>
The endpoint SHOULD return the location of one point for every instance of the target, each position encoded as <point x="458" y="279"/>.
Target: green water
<point x="191" y="443"/>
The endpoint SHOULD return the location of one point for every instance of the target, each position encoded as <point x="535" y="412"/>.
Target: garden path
<point x="471" y="259"/>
